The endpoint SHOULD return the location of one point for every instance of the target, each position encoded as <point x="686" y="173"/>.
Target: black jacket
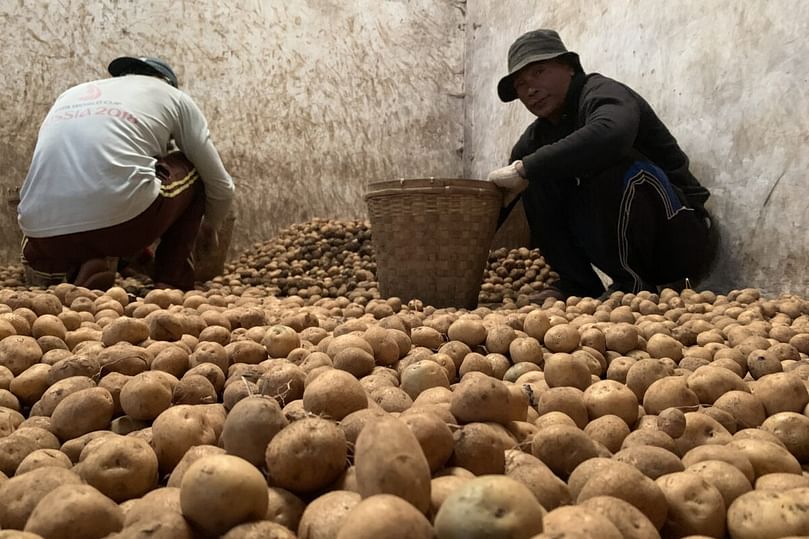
<point x="604" y="122"/>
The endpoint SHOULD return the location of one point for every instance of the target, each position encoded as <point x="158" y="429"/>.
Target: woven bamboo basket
<point x="431" y="238"/>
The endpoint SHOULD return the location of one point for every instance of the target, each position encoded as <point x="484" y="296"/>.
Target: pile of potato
<point x="12" y="276"/>
<point x="246" y="415"/>
<point x="327" y="258"/>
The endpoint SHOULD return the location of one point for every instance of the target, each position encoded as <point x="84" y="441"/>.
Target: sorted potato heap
<point x="214" y="414"/>
<point x="333" y="258"/>
<point x="12" y="276"/>
<point x="512" y="275"/>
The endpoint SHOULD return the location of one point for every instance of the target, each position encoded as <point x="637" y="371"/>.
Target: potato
<point x="489" y="506"/>
<point x="178" y="429"/>
<point x="161" y="525"/>
<point x="124" y="329"/>
<point x="550" y="491"/>
<point x="768" y="515"/>
<point x="334" y="394"/>
<point x="792" y="430"/>
<point x="354" y="360"/>
<point x="433" y="435"/>
<point x="263" y="529"/>
<point x="695" y="506"/>
<point x="669" y="392"/>
<point x="81" y="412"/>
<point x="250" y="426"/>
<point x="146" y="395"/>
<point x="562" y="448"/>
<point x="526" y="350"/>
<point x="567" y="370"/>
<point x="427" y="337"/>
<point x="746" y="408"/>
<point x="284" y="507"/>
<point x="219" y="492"/>
<point x="643" y="373"/>
<point x="562" y="338"/>
<point x="158" y="501"/>
<point x="630" y="522"/>
<point x="766" y="457"/>
<point x="568" y="400"/>
<point x="480" y="398"/>
<point x="652" y="461"/>
<point x="70" y="511"/>
<point x="121" y="468"/>
<point x="479" y="448"/>
<point x="622" y="337"/>
<point x="782" y="481"/>
<point x="578" y="519"/>
<point x="389" y="460"/>
<point x="19" y="352"/>
<point x="31" y="384"/>
<point x="781" y="392"/>
<point x="701" y="429"/>
<point x="613" y="478"/>
<point x="610" y="397"/>
<point x="423" y="375"/>
<point x="191" y="456"/>
<point x="384" y="515"/>
<point x="41" y="458"/>
<point x="306" y="455"/>
<point x="22" y="493"/>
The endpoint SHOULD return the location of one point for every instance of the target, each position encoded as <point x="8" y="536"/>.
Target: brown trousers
<point x="173" y="219"/>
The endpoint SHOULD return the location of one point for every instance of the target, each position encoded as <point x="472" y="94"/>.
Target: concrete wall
<point x="307" y="100"/>
<point x="730" y="80"/>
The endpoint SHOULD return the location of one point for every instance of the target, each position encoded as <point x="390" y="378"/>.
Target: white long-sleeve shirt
<point x="94" y="161"/>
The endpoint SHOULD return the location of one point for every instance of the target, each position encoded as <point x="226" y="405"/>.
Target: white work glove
<point x="510" y="181"/>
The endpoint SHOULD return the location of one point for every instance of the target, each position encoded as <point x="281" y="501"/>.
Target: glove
<point x="510" y="181"/>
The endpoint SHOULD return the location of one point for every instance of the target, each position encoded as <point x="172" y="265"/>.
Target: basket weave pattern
<point x="431" y="238"/>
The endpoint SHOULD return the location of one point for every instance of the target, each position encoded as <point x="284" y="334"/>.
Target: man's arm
<point x="611" y="119"/>
<point x="194" y="140"/>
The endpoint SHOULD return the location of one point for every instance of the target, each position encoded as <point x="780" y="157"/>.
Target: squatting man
<point x="602" y="180"/>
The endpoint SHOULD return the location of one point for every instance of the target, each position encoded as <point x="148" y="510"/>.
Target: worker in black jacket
<point x="602" y="180"/>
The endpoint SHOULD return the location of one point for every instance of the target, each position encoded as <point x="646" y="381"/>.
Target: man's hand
<point x="510" y="179"/>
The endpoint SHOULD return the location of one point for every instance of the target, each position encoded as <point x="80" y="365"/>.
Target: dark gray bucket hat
<point x="534" y="46"/>
<point x="126" y="65"/>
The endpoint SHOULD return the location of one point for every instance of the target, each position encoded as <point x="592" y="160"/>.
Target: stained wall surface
<point x="307" y="100"/>
<point x="729" y="78"/>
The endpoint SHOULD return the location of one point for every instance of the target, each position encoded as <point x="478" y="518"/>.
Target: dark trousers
<point x="173" y="218"/>
<point x="627" y="220"/>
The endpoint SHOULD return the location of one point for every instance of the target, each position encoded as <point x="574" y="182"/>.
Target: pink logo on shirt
<point x="93" y="92"/>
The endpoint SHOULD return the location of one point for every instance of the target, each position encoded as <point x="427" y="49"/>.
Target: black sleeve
<point x="610" y="125"/>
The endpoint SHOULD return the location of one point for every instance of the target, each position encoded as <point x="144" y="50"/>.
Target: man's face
<point x="542" y="87"/>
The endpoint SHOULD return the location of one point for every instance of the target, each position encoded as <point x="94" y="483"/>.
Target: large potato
<point x="219" y="492"/>
<point x="178" y="429"/>
<point x="489" y="506"/>
<point x="631" y="523"/>
<point x="334" y="394"/>
<point x="550" y="491"/>
<point x="769" y="515"/>
<point x="389" y="460"/>
<point x="695" y="507"/>
<point x="562" y="448"/>
<point x="71" y="511"/>
<point x="578" y="519"/>
<point x="21" y="493"/>
<point x="81" y="412"/>
<point x="385" y="515"/>
<point x="306" y="455"/>
<point x="121" y="468"/>
<point x="325" y="515"/>
<point x="250" y="426"/>
<point x="480" y="398"/>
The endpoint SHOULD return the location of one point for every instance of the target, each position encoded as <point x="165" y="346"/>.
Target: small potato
<point x="610" y="397"/>
<point x="562" y="338"/>
<point x="479" y="448"/>
<point x="489" y="506"/>
<point x="440" y="489"/>
<point x="178" y="429"/>
<point x="568" y="400"/>
<point x="31" y="384"/>
<point x="746" y="408"/>
<point x="669" y="392"/>
<point x="284" y="507"/>
<point x="125" y="329"/>
<point x="158" y="501"/>
<point x="385" y="515"/>
<point x="563" y="369"/>
<point x="423" y="375"/>
<point x="219" y="492"/>
<point x="701" y="429"/>
<point x="146" y="395"/>
<point x="70" y="511"/>
<point x="608" y="430"/>
<point x="354" y="360"/>
<point x="19" y="352"/>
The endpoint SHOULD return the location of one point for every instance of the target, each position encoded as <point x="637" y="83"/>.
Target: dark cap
<point x="534" y="46"/>
<point x="126" y="65"/>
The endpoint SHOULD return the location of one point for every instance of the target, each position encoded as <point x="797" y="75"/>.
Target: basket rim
<point x="431" y="185"/>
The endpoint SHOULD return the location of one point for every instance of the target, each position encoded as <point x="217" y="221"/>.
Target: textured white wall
<point x="307" y="100"/>
<point x="729" y="78"/>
